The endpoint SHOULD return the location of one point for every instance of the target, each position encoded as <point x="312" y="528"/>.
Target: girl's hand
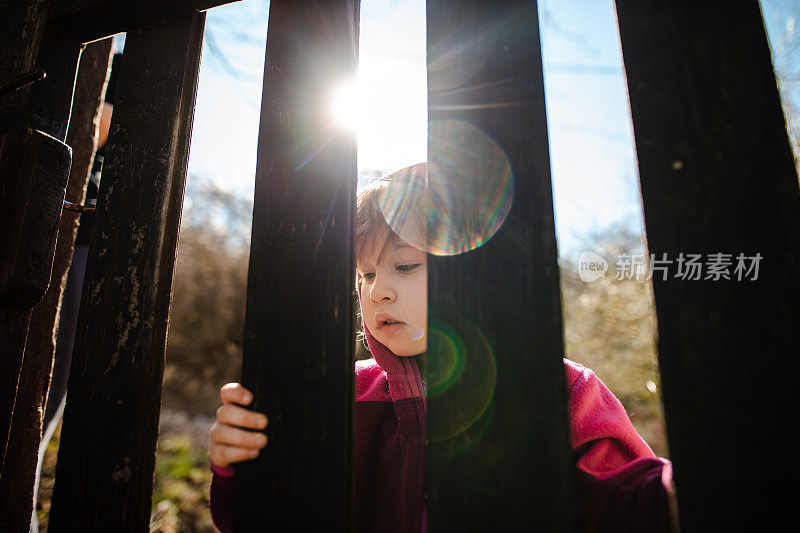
<point x="231" y="442"/>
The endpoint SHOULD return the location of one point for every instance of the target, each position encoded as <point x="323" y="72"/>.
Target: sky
<point x="592" y="154"/>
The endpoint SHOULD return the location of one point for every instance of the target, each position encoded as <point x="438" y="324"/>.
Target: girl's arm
<point x="620" y="483"/>
<point x="222" y="501"/>
<point x="232" y="440"/>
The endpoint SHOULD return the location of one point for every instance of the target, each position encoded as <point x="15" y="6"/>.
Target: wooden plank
<point x="507" y="467"/>
<point x="61" y="8"/>
<point x="21" y="30"/>
<point x="34" y="166"/>
<point x="17" y="60"/>
<point x="40" y="187"/>
<point x="14" y="324"/>
<point x="298" y="344"/>
<point x="717" y="176"/>
<point x="19" y="468"/>
<point x="50" y="100"/>
<point x="33" y="132"/>
<point x="108" y="441"/>
<point x="90" y="20"/>
<point x="39" y="194"/>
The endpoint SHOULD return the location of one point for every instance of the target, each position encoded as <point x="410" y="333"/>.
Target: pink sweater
<point x="620" y="484"/>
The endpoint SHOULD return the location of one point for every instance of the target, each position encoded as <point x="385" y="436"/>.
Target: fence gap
<point x="298" y="342"/>
<point x="508" y="466"/>
<point x="717" y="177"/>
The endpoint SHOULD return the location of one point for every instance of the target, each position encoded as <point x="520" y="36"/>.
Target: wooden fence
<point x="717" y="177"/>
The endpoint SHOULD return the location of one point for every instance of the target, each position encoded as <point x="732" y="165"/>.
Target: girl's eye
<point x="369" y="276"/>
<point x="407" y="268"/>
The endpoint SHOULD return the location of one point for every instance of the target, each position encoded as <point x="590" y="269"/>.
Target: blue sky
<point x="591" y="143"/>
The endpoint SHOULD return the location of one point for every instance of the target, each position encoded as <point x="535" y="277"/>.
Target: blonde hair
<point x="391" y="210"/>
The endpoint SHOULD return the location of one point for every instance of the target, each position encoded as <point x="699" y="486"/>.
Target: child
<point x="620" y="483"/>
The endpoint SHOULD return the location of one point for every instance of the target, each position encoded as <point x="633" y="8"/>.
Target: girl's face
<point x="394" y="297"/>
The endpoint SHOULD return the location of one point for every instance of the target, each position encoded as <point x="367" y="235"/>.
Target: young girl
<point x="620" y="483"/>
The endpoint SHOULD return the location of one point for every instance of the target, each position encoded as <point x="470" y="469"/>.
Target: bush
<point x="610" y="327"/>
<point x="204" y="346"/>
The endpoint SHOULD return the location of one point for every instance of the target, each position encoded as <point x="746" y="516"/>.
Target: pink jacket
<point x="620" y="484"/>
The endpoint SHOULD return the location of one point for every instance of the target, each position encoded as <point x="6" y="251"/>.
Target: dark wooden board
<point x="21" y="30"/>
<point x="19" y="468"/>
<point x="50" y="100"/>
<point x="298" y="342"/>
<point x="511" y="470"/>
<point x="14" y="325"/>
<point x="34" y="166"/>
<point x="108" y="441"/>
<point x="90" y="20"/>
<point x="717" y="176"/>
<point x="38" y="196"/>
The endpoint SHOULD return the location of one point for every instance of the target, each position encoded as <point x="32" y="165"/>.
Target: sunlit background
<point x="608" y="325"/>
<point x="591" y="144"/>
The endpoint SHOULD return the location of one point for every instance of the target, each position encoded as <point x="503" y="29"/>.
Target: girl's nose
<point x="382" y="290"/>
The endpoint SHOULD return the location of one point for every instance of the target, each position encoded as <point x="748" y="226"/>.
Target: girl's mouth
<point x="391" y="328"/>
<point x="388" y="325"/>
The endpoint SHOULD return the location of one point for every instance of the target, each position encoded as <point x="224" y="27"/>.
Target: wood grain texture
<point x="19" y="469"/>
<point x="717" y="176"/>
<point x="33" y="126"/>
<point x="511" y="469"/>
<point x="33" y="190"/>
<point x="298" y="342"/>
<point x="14" y="324"/>
<point x="90" y="20"/>
<point x="50" y="100"/>
<point x="107" y="451"/>
<point x="34" y="168"/>
<point x="21" y="30"/>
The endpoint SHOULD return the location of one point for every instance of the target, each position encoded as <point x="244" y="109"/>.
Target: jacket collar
<point x="402" y="373"/>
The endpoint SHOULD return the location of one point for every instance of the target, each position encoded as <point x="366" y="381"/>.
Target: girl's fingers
<point x="229" y="442"/>
<point x="229" y="435"/>
<point x="239" y="416"/>
<point x="235" y="393"/>
<point x="223" y="455"/>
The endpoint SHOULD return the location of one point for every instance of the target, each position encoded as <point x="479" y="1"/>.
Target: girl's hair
<point x="390" y="210"/>
<point x="371" y="225"/>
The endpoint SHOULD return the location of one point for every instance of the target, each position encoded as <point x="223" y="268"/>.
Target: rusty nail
<point x="78" y="208"/>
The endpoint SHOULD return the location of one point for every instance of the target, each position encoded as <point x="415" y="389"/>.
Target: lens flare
<point x="457" y="201"/>
<point x="470" y="184"/>
<point x="446" y="367"/>
<point x="461" y="379"/>
<point x="471" y="441"/>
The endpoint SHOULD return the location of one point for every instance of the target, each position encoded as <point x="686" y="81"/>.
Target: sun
<point x="387" y="111"/>
<point x="347" y="105"/>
